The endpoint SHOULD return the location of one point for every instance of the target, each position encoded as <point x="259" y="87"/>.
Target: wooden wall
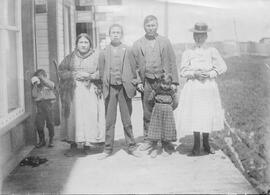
<point x="19" y="138"/>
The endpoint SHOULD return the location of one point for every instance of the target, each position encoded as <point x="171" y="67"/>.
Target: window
<point x="11" y="66"/>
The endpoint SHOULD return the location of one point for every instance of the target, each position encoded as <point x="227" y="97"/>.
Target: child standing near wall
<point x="162" y="128"/>
<point x="43" y="94"/>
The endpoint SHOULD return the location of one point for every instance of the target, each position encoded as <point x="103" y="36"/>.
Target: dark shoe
<point x="168" y="147"/>
<point x="86" y="150"/>
<point x="72" y="151"/>
<point x="157" y="150"/>
<point x="197" y="144"/>
<point x="51" y="142"/>
<point x="41" y="144"/>
<point x="145" y="146"/>
<point x="73" y="146"/>
<point x="135" y="153"/>
<point x="206" y="144"/>
<point x="104" y="155"/>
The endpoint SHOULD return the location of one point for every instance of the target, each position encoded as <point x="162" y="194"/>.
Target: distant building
<point x="265" y="40"/>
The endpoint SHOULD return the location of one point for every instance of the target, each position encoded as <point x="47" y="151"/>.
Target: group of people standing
<point x="93" y="83"/>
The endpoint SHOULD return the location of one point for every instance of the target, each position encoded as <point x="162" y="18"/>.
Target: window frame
<point x="10" y="117"/>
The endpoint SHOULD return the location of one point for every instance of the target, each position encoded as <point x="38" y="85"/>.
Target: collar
<point x="151" y="37"/>
<point x="116" y="44"/>
<point x="83" y="56"/>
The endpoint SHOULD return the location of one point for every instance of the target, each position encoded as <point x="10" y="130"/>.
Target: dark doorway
<point x="85" y="28"/>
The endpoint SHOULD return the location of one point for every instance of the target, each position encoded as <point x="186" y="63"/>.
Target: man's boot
<point x="42" y="141"/>
<point x="197" y="144"/>
<point x="206" y="144"/>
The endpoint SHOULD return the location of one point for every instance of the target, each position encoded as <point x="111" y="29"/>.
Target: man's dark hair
<point x="149" y="18"/>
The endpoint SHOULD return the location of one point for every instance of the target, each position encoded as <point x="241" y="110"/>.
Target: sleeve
<point x="174" y="101"/>
<point x="185" y="70"/>
<point x="135" y="62"/>
<point x="151" y="98"/>
<point x="48" y="83"/>
<point x="63" y="69"/>
<point x="172" y="61"/>
<point x="219" y="65"/>
<point x="35" y="91"/>
<point x="95" y="75"/>
<point x="136" y="78"/>
<point x="101" y="64"/>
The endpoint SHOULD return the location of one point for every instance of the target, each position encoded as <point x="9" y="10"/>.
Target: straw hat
<point x="200" y="27"/>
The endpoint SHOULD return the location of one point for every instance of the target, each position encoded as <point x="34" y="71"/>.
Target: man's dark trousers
<point x="117" y="94"/>
<point x="149" y="86"/>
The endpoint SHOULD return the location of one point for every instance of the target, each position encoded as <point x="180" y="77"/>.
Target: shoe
<point x="154" y="153"/>
<point x="210" y="151"/>
<point x="206" y="144"/>
<point x="157" y="150"/>
<point x="135" y="153"/>
<point x="145" y="146"/>
<point x="50" y="142"/>
<point x="168" y="147"/>
<point x="42" y="141"/>
<point x="72" y="151"/>
<point x="41" y="144"/>
<point x="166" y="152"/>
<point x="104" y="155"/>
<point x="197" y="144"/>
<point x="87" y="150"/>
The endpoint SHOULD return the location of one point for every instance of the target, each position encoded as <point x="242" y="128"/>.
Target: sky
<point x="241" y="20"/>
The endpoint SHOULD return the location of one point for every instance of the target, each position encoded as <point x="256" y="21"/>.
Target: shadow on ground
<point x="26" y="179"/>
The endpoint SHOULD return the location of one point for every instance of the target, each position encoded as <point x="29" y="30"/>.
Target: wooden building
<point x="33" y="33"/>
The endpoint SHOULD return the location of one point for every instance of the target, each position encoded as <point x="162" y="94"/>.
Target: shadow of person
<point x="186" y="145"/>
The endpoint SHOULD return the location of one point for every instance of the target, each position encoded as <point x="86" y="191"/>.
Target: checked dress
<point x="162" y="125"/>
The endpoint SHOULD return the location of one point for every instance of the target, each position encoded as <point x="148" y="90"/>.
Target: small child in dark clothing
<point x="162" y="129"/>
<point x="42" y="92"/>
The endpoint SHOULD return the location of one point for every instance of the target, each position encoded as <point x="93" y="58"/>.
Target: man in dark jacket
<point x="154" y="56"/>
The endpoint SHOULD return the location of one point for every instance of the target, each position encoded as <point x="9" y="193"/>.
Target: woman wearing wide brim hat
<point x="200" y="103"/>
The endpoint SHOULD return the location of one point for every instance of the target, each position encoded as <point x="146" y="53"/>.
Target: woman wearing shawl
<point x="82" y="105"/>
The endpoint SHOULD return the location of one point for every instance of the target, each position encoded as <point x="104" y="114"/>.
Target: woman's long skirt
<point x="86" y="122"/>
<point x="199" y="108"/>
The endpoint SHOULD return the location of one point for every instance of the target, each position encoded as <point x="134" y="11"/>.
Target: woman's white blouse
<point x="205" y="59"/>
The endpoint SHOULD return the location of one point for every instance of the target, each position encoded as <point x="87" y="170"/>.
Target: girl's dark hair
<point x="85" y="36"/>
<point x="40" y="72"/>
<point x="166" y="78"/>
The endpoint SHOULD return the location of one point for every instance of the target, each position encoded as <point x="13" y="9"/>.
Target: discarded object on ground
<point x="33" y="161"/>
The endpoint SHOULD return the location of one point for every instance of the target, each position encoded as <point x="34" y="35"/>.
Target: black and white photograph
<point x="135" y="97"/>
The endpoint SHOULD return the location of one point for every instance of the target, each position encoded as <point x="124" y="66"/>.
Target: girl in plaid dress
<point x="162" y="128"/>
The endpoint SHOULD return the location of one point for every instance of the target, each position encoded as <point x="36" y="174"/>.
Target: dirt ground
<point x="123" y="173"/>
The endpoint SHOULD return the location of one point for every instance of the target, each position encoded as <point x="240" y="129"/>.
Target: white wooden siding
<point x="42" y="46"/>
<point x="60" y="27"/>
<point x="60" y="31"/>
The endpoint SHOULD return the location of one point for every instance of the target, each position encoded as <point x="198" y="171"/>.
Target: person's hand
<point x="205" y="74"/>
<point x="174" y="87"/>
<point x="140" y="87"/>
<point x="81" y="75"/>
<point x="35" y="80"/>
<point x="199" y="75"/>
